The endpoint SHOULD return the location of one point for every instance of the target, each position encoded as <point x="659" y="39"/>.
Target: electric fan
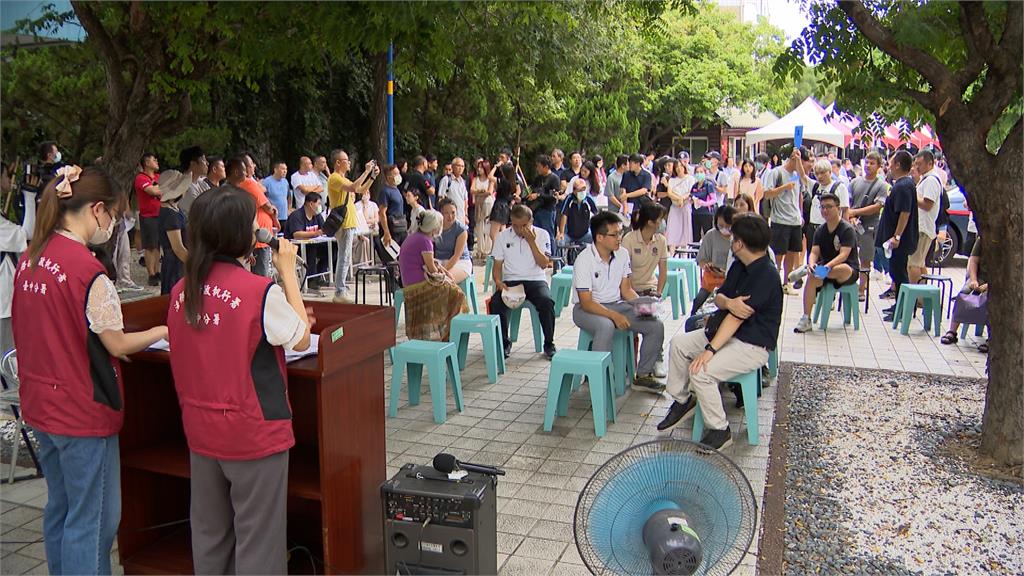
<point x="668" y="507"/>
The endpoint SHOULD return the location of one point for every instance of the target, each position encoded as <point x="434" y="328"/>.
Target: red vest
<point x="232" y="384"/>
<point x="70" y="385"/>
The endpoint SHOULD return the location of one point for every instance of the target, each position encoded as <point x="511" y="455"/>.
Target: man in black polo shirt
<point x="635" y="188"/>
<point x="416" y="182"/>
<point x="835" y="245"/>
<point x="737" y="337"/>
<point x="574" y="218"/>
<point x="543" y="195"/>
<point x="898" y="225"/>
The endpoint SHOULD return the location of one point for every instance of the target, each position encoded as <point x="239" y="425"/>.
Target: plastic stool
<point x="979" y="330"/>
<point x="750" y="384"/>
<point x="773" y="363"/>
<point x="488" y="326"/>
<point x="688" y="265"/>
<point x="942" y="281"/>
<point x="569" y="365"/>
<point x="561" y="291"/>
<point x="823" y="305"/>
<point x="439" y="358"/>
<point x="674" y="290"/>
<point x="468" y="287"/>
<point x="513" y="325"/>
<point x="488" y="268"/>
<point x="566" y="270"/>
<point x="623" y="358"/>
<point x="399" y="302"/>
<point x="907" y="300"/>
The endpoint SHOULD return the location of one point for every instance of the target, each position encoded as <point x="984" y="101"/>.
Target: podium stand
<point x="335" y="469"/>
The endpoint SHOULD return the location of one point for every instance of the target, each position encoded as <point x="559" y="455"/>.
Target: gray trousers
<point x="603" y="331"/>
<point x="239" y="515"/>
<point x="344" y="261"/>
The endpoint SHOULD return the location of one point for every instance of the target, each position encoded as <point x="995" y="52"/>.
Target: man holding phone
<point x="834" y="244"/>
<point x="713" y="255"/>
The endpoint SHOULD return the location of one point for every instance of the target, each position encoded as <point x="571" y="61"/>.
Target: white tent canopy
<point x="808" y="115"/>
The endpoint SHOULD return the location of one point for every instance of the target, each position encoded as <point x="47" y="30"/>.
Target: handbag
<point x="971" y="308"/>
<point x="336" y="218"/>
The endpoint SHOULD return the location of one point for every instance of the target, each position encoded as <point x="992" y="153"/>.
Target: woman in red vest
<point x="68" y="328"/>
<point x="228" y="332"/>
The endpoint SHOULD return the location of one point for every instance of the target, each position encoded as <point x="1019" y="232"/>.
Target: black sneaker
<point x="889" y="294"/>
<point x="798" y="284"/>
<point x="717" y="439"/>
<point x="737" y="391"/>
<point x="677" y="413"/>
<point x="508" y="349"/>
<point x="549" y="351"/>
<point x="647" y="383"/>
<point x="154" y="280"/>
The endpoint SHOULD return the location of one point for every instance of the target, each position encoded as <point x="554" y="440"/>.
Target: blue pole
<point x="391" y="103"/>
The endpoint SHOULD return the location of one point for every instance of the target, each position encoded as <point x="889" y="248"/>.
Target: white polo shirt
<point x="517" y="256"/>
<point x="602" y="279"/>
<point x="929" y="187"/>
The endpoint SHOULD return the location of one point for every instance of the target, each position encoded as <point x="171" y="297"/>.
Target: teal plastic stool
<point x="674" y="288"/>
<point x="570" y="365"/>
<point x="439" y="358"/>
<point x="567" y="270"/>
<point x="773" y="363"/>
<point x="749" y="383"/>
<point x="468" y="287"/>
<point x="979" y="330"/>
<point x="399" y="302"/>
<point x="623" y="358"/>
<point x="514" y="317"/>
<point x="823" y="305"/>
<point x="905" y="302"/>
<point x="688" y="265"/>
<point x="561" y="291"/>
<point x="488" y="326"/>
<point x="488" y="268"/>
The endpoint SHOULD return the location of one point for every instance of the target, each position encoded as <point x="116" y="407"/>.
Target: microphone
<point x="447" y="464"/>
<point x="269" y="238"/>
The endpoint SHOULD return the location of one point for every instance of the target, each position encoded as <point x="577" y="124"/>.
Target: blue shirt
<point x="277" y="193"/>
<point x="391" y="199"/>
<point x="444" y="245"/>
<point x="297" y="222"/>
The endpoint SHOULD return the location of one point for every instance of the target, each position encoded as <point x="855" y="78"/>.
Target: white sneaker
<point x="342" y="299"/>
<point x="789" y="290"/>
<point x="804" y="325"/>
<point x="798" y="273"/>
<point x="128" y="285"/>
<point x="659" y="369"/>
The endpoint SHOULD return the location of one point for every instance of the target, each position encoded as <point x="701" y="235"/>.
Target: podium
<point x="336" y="467"/>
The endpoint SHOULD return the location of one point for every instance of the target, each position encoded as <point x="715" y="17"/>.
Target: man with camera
<point x="342" y="193"/>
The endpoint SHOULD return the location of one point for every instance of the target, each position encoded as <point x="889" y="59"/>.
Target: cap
<point x="713" y="154"/>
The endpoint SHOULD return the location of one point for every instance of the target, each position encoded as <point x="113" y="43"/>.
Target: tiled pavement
<point x="501" y="425"/>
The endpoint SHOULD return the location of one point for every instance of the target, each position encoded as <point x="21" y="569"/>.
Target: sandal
<point x="983" y="347"/>
<point x="949" y="337"/>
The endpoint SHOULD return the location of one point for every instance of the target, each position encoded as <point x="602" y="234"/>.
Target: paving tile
<point x="516" y="566"/>
<point x="521" y="525"/>
<point x="507" y="543"/>
<point x="18" y="564"/>
<point x="553" y="530"/>
<point x="540" y="548"/>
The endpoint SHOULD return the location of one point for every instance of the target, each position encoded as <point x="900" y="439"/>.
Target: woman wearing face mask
<point x="679" y="229"/>
<point x="66" y="305"/>
<point x="648" y="250"/>
<point x="704" y="201"/>
<point x="228" y="331"/>
<point x="713" y="256"/>
<point x="432" y="298"/>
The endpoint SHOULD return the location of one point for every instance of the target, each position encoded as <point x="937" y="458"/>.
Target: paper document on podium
<point x="289" y="355"/>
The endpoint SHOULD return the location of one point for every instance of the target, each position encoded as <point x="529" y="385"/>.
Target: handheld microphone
<point x="269" y="238"/>
<point x="447" y="464"/>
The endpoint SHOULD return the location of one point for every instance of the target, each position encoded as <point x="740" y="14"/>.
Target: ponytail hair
<point x="92" y="185"/>
<point x="219" y="225"/>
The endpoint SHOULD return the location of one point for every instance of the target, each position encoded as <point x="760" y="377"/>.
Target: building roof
<point x="10" y="40"/>
<point x="739" y="118"/>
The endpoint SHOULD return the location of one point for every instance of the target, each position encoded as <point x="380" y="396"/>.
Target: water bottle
<point x="887" y="248"/>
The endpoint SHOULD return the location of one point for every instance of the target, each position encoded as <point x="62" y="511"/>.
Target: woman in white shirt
<point x="679" y="227"/>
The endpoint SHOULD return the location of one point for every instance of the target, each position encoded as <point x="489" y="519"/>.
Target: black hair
<point x="601" y="221"/>
<point x="753" y="171"/>
<point x="446" y="201"/>
<point x="219" y="225"/>
<point x="621" y="160"/>
<point x="596" y="159"/>
<point x="829" y="196"/>
<point x="646" y="213"/>
<point x="762" y="157"/>
<point x="506" y="152"/>
<point x="189" y="155"/>
<point x="753" y="231"/>
<point x="725" y="213"/>
<point x="400" y="161"/>
<point x="235" y="164"/>
<point x="142" y="159"/>
<point x="903" y="159"/>
<point x="311" y="198"/>
<point x="429" y="157"/>
<point x="544" y="160"/>
<point x="44" y="149"/>
<point x="508" y="172"/>
<point x="418" y="161"/>
<point x="275" y="163"/>
<point x="636" y="158"/>
<point x="787" y="150"/>
<point x="595" y="184"/>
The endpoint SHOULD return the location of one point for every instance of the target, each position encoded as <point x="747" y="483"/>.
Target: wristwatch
<point x="710" y="348"/>
<point x="897" y="237"/>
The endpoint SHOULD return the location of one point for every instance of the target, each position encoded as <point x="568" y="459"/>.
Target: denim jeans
<point x="83" y="507"/>
<point x="344" y="237"/>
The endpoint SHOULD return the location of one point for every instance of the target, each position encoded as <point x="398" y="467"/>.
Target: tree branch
<point x="1008" y="56"/>
<point x="978" y="38"/>
<point x="110" y="51"/>
<point x="935" y="72"/>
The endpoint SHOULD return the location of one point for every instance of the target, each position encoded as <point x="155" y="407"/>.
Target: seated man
<point x="835" y="244"/>
<point x="736" y="339"/>
<point x="308" y="223"/>
<point x="602" y="290"/>
<point x="521" y="253"/>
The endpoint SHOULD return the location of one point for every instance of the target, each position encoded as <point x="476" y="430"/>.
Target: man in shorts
<point x="868" y="194"/>
<point x="835" y="244"/>
<point x="929" y="196"/>
<point x="787" y="183"/>
<point x="147" y="195"/>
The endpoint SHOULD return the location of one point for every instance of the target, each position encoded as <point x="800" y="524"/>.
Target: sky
<point x="13" y="10"/>
<point x="786" y="14"/>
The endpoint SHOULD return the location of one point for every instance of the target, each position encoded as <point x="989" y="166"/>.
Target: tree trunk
<point x="379" y="118"/>
<point x="992" y="184"/>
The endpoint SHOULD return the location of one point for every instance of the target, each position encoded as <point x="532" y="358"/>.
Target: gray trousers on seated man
<point x="603" y="331"/>
<point x="734" y="359"/>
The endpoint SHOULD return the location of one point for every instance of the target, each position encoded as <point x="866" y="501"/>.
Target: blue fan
<point x="665" y="507"/>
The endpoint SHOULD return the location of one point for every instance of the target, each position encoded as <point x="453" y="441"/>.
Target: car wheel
<point x="947" y="250"/>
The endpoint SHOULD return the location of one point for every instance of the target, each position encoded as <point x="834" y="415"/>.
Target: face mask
<point x="707" y="164"/>
<point x="758" y="166"/>
<point x="102" y="235"/>
<point x="725" y="231"/>
<point x="581" y="194"/>
<point x="700" y="177"/>
<point x="56" y="157"/>
<point x="398" y="181"/>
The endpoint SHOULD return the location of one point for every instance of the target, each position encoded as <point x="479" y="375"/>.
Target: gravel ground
<point x="869" y="489"/>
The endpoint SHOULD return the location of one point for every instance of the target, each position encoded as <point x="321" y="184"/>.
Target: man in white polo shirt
<point x="602" y="291"/>
<point x="929" y="199"/>
<point x="521" y="253"/>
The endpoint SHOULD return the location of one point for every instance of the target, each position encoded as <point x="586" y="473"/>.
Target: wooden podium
<point x="335" y="469"/>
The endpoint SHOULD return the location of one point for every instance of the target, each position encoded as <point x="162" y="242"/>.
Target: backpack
<point x="808" y="199"/>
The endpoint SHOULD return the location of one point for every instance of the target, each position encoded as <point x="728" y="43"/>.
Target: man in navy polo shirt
<point x="574" y="219"/>
<point x="635" y="188"/>
<point x="305" y="224"/>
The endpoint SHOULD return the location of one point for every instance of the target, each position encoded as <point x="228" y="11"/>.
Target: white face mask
<point x="102" y="235"/>
<point x="398" y="181"/>
<point x="56" y="157"/>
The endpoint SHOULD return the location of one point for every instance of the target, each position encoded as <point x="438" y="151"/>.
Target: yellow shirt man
<point x="336" y="185"/>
